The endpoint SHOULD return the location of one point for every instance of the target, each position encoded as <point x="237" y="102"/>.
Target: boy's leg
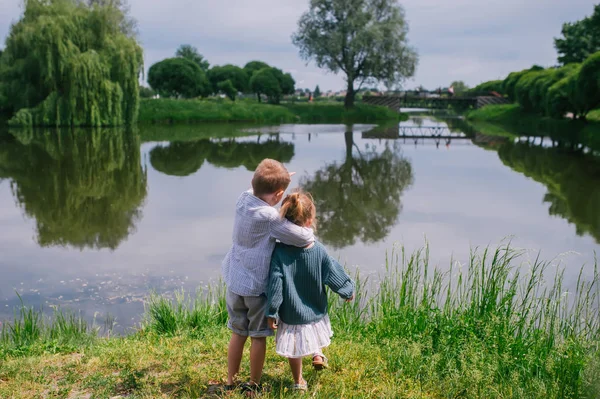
<point x="234" y="356"/>
<point x="296" y="366"/>
<point x="238" y="324"/>
<point x="258" y="329"/>
<point x="258" y="350"/>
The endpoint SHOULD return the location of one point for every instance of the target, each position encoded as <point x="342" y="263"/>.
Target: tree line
<point x="572" y="87"/>
<point x="189" y="75"/>
<point x="78" y="62"/>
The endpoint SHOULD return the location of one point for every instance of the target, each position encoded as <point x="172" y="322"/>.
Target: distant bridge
<point x="397" y="102"/>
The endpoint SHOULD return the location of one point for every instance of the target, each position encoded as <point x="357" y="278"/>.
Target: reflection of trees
<point x="186" y="158"/>
<point x="84" y="188"/>
<point x="572" y="180"/>
<point x="359" y="198"/>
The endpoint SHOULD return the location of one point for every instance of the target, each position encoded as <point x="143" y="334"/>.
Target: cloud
<point x="470" y="40"/>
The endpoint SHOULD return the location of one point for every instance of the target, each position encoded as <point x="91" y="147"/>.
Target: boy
<point x="246" y="266"/>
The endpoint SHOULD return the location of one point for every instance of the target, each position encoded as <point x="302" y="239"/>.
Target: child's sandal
<point x="251" y="388"/>
<point x="302" y="387"/>
<point x="320" y="364"/>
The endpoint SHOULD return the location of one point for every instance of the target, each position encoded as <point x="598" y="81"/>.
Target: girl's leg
<point x="296" y="366"/>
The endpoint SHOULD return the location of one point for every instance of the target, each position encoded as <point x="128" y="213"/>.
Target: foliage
<point x="359" y="198"/>
<point x="146" y="92"/>
<point x="67" y="63"/>
<point x="364" y="39"/>
<point x="237" y="76"/>
<point x="186" y="158"/>
<point x="286" y="82"/>
<point x="255" y="66"/>
<point x="317" y="92"/>
<point x="563" y="96"/>
<point x="588" y="82"/>
<point x="227" y="88"/>
<point x="486" y="88"/>
<point x="265" y="82"/>
<point x="459" y="86"/>
<point x="82" y="188"/>
<point x="512" y="79"/>
<point x="579" y="39"/>
<point x="191" y="53"/>
<point x="178" y="78"/>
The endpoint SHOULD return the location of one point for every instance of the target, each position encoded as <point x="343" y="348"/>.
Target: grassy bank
<point x="490" y="329"/>
<point x="194" y="111"/>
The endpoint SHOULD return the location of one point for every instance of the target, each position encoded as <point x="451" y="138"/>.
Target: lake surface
<point x="95" y="221"/>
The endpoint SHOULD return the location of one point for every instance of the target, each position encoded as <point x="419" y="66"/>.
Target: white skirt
<point x="294" y="341"/>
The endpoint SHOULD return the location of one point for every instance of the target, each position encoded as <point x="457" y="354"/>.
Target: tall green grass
<point x="185" y="313"/>
<point x="31" y="331"/>
<point x="493" y="328"/>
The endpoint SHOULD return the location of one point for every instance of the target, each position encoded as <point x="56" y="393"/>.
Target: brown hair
<point x="270" y="176"/>
<point x="299" y="208"/>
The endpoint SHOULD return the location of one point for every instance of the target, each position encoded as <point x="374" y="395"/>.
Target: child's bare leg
<point x="258" y="350"/>
<point x="234" y="356"/>
<point x="296" y="366"/>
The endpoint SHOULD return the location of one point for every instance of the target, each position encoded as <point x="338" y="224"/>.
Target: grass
<point x="195" y="111"/>
<point x="488" y="329"/>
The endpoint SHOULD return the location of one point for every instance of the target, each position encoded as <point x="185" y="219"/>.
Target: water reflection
<point x="186" y="158"/>
<point x="359" y="198"/>
<point x="571" y="177"/>
<point x="84" y="188"/>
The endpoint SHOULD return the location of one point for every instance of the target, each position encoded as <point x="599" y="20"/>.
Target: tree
<point x="254" y="66"/>
<point x="83" y="188"/>
<point x="579" y="39"/>
<point x="238" y="77"/>
<point x="460" y="87"/>
<point x="191" y="53"/>
<point x="317" y="92"/>
<point x="588" y="84"/>
<point x="178" y="77"/>
<point x="286" y="82"/>
<point x="226" y="87"/>
<point x="69" y="63"/>
<point x="359" y="198"/>
<point x="265" y="82"/>
<point x="364" y="39"/>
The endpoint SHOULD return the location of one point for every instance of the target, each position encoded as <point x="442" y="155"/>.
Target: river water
<point x="95" y="221"/>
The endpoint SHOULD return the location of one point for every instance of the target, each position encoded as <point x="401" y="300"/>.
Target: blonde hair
<point x="270" y="177"/>
<point x="299" y="208"/>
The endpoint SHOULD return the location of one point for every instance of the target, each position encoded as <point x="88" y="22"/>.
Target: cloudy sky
<point x="470" y="40"/>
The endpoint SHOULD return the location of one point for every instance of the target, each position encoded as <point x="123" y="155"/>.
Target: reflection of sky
<point x="462" y="196"/>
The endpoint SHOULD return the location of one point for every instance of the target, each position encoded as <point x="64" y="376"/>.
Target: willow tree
<point x="364" y="39"/>
<point x="72" y="63"/>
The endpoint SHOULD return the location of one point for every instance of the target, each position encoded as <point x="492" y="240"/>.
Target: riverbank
<point x="492" y="330"/>
<point x="198" y="111"/>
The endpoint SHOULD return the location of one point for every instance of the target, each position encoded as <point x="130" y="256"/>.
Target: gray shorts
<point x="247" y="315"/>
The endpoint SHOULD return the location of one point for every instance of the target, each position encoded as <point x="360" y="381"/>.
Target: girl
<point x="297" y="296"/>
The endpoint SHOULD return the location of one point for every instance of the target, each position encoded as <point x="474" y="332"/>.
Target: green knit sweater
<point x="297" y="279"/>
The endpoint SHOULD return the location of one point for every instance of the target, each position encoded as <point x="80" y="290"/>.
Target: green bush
<point x="588" y="84"/>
